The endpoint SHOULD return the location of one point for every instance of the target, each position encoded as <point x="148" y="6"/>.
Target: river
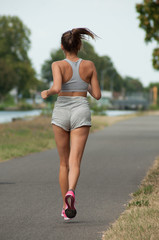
<point x="7" y="116"/>
<point x="119" y="112"/>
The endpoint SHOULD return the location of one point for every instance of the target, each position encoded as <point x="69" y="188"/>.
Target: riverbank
<point x="20" y="138"/>
<point x="9" y="116"/>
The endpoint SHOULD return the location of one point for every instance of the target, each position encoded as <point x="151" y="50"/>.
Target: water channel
<point x="8" y="116"/>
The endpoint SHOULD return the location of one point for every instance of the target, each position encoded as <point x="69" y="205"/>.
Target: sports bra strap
<point x="74" y="65"/>
<point x="75" y="83"/>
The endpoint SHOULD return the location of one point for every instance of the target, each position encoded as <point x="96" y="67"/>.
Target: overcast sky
<point x="115" y="21"/>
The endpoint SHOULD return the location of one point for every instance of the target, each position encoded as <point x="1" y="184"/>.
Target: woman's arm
<point x="57" y="77"/>
<point x="94" y="88"/>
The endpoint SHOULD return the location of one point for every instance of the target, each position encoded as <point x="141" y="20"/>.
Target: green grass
<point x="20" y="138"/>
<point x="140" y="221"/>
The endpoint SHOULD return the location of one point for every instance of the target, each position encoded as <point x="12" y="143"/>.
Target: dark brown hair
<point x="71" y="40"/>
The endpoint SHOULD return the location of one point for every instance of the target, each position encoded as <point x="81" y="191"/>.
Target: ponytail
<point x="71" y="40"/>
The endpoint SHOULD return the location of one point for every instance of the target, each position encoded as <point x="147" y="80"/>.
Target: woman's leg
<point x="78" y="140"/>
<point x="62" y="139"/>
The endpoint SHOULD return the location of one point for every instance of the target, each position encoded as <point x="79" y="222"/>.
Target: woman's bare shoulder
<point x="58" y="63"/>
<point x="88" y="63"/>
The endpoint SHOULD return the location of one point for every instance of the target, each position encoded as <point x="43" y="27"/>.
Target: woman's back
<point x="85" y="70"/>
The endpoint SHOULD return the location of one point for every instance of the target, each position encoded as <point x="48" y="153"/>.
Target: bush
<point x="8" y="101"/>
<point x="97" y="109"/>
<point x="48" y="110"/>
<point x="153" y="107"/>
<point x="2" y="107"/>
<point x="25" y="106"/>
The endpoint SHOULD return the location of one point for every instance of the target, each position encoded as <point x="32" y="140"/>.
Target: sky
<point x="114" y="21"/>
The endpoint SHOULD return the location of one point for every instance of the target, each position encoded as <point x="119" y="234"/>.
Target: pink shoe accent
<point x="70" y="193"/>
<point x="63" y="214"/>
<point x="70" y="210"/>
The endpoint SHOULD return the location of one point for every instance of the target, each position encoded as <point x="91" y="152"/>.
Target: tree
<point x="46" y="72"/>
<point x="149" y="21"/>
<point x="149" y="89"/>
<point x="108" y="76"/>
<point x="132" y="84"/>
<point x="15" y="66"/>
<point x="7" y="74"/>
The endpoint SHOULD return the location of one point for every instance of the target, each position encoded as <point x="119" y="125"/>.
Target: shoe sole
<point x="70" y="211"/>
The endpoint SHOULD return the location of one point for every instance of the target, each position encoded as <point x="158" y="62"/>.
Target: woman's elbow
<point x="57" y="90"/>
<point x="97" y="96"/>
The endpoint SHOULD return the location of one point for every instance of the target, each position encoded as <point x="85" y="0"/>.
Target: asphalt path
<point x="115" y="161"/>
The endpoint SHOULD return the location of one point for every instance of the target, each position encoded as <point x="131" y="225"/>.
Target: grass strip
<point x="21" y="137"/>
<point x="140" y="221"/>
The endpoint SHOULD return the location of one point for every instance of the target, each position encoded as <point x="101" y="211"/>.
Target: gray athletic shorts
<point x="71" y="112"/>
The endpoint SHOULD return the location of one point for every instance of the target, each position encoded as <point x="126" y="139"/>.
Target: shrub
<point x="153" y="107"/>
<point x="48" y="110"/>
<point x="25" y="106"/>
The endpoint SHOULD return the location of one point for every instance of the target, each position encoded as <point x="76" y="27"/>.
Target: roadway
<point x="115" y="161"/>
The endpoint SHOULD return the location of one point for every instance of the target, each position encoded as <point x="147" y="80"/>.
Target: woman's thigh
<point x="62" y="139"/>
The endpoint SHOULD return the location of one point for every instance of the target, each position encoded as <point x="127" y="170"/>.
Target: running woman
<point x="71" y="118"/>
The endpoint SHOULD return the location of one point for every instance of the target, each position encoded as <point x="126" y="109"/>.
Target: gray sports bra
<point x="75" y="84"/>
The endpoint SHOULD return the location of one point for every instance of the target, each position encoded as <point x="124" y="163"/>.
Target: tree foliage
<point x="46" y="72"/>
<point x="149" y="88"/>
<point x="149" y="21"/>
<point x="15" y="66"/>
<point x="132" y="84"/>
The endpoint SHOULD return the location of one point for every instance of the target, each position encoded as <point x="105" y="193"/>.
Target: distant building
<point x="132" y="101"/>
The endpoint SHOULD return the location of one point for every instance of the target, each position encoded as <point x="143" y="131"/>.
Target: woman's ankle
<point x="71" y="189"/>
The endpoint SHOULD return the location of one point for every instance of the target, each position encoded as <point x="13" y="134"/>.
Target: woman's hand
<point x="44" y="94"/>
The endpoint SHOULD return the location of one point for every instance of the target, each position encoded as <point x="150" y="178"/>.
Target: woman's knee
<point x="74" y="164"/>
<point x="64" y="164"/>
